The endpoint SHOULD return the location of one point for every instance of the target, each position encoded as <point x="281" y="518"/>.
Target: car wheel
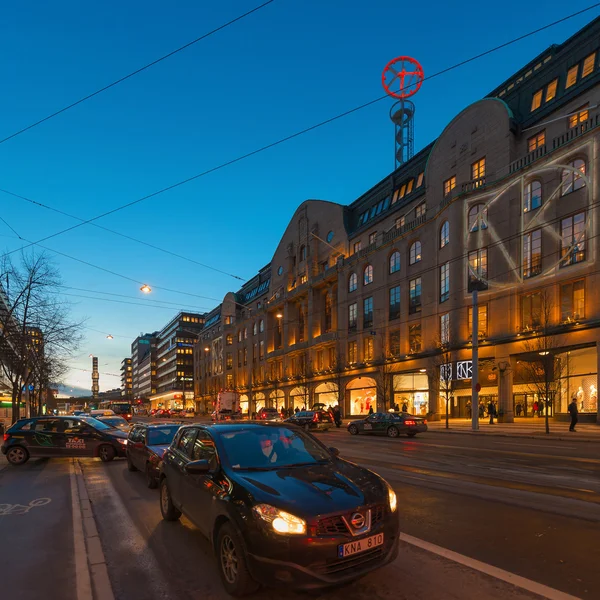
<point x="17" y="455"/>
<point x="393" y="432"/>
<point x="130" y="466"/>
<point x="150" y="479"/>
<point x="231" y="559"/>
<point x="167" y="508"/>
<point x="353" y="429"/>
<point x="106" y="453"/>
<point x="411" y="433"/>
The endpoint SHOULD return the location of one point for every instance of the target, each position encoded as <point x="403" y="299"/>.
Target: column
<point x="433" y="379"/>
<point x="598" y="382"/>
<point x="505" y="370"/>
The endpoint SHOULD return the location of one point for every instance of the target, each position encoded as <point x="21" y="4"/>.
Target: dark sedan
<point x="280" y="508"/>
<point x="146" y="446"/>
<point x="312" y="420"/>
<point x="390" y="424"/>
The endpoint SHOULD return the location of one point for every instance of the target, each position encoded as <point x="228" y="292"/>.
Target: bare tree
<point x="440" y="371"/>
<point x="388" y="382"/>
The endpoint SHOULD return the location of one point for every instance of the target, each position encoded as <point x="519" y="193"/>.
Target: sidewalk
<point x="530" y="428"/>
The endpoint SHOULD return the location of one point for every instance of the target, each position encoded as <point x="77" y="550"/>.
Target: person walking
<point x="469" y="409"/>
<point x="491" y="411"/>
<point x="573" y="411"/>
<point x="536" y="409"/>
<point x="337" y="417"/>
<point x="370" y="410"/>
<point x="404" y="407"/>
<point x="519" y="409"/>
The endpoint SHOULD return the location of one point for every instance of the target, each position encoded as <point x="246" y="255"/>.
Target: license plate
<point x="360" y="545"/>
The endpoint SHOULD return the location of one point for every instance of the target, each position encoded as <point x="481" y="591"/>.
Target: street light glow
<point x="279" y="316"/>
<point x="109" y="337"/>
<point x="146" y="288"/>
<point x="544" y="353"/>
<point x="206" y="349"/>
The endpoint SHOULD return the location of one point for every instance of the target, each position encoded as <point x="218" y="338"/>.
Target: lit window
<point x="588" y="65"/>
<point x="478" y="169"/>
<point x="579" y="117"/>
<point x="368" y="275"/>
<point x="445" y="234"/>
<point x="551" y="90"/>
<point x="449" y="185"/>
<point x="367" y="312"/>
<point x="368" y="348"/>
<point x="402" y="191"/>
<point x="572" y="236"/>
<point x="394" y="197"/>
<point x="420" y="179"/>
<point x="357" y="247"/>
<point x="394" y="311"/>
<point x="444" y="282"/>
<point x="420" y="210"/>
<point x="536" y="101"/>
<point x="477" y="218"/>
<point x="352" y="346"/>
<point x="254" y="328"/>
<point x="352" y="315"/>
<point x="532" y="196"/>
<point x="261" y="326"/>
<point x="571" y="76"/>
<point x="445" y="328"/>
<point x="400" y="221"/>
<point x="532" y="253"/>
<point x="531" y="310"/>
<point x="395" y="262"/>
<point x="414" y="304"/>
<point x="571" y="180"/>
<point x="229" y="340"/>
<point x="352" y="282"/>
<point x="482" y="320"/>
<point x="394" y="342"/>
<point x="536" y="141"/>
<point x="478" y="267"/>
<point x="415" y="253"/>
<point x="409" y="186"/>
<point x="229" y="360"/>
<point x="572" y="301"/>
<point x="414" y="337"/>
<point x="372" y="237"/>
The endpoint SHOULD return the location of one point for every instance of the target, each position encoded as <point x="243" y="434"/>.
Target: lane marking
<point x="21" y="509"/>
<point x="521" y="582"/>
<point x="83" y="582"/>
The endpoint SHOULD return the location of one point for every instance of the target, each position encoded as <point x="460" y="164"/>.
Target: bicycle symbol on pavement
<point x="21" y="509"/>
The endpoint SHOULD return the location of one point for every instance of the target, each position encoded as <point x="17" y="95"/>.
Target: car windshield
<point x="262" y="448"/>
<point x="160" y="436"/>
<point x="96" y="424"/>
<point x="305" y="413"/>
<point x="122" y="409"/>
<point x="114" y="421"/>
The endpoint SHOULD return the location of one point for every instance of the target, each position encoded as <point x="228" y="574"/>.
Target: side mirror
<point x="334" y="451"/>
<point x="197" y="467"/>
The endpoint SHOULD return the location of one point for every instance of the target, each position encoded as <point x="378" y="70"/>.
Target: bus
<point x="122" y="408"/>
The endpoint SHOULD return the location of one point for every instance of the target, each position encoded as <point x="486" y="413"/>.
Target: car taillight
<point x="316" y="417"/>
<point x="128" y="417"/>
<point x="425" y="421"/>
<point x="6" y="436"/>
<point x="410" y="422"/>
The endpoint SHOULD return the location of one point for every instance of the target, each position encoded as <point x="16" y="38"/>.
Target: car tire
<point x="393" y="432"/>
<point x="353" y="429"/>
<point x="151" y="481"/>
<point x="106" y="452"/>
<point x="232" y="564"/>
<point x="17" y="456"/>
<point x="411" y="433"/>
<point x="167" y="508"/>
<point x="130" y="466"/>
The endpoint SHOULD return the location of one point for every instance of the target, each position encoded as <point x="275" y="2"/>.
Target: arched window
<point x="415" y="253"/>
<point x="572" y="181"/>
<point x="477" y="218"/>
<point x="254" y="328"/>
<point x="303" y="252"/>
<point x="240" y="335"/>
<point x="261" y="325"/>
<point x="368" y="275"/>
<point x="395" y="262"/>
<point x="532" y="196"/>
<point x="444" y="234"/>
<point x="352" y="282"/>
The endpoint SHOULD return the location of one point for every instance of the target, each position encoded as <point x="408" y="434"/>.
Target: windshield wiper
<point x="272" y="468"/>
<point x="305" y="464"/>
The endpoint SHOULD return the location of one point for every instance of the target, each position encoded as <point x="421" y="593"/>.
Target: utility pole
<point x="475" y="364"/>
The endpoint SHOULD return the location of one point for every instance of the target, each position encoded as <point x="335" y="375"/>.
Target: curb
<point x="526" y="436"/>
<point x="95" y="583"/>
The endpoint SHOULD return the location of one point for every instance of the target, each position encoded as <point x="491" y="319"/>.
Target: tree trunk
<point x="447" y="424"/>
<point x="15" y="403"/>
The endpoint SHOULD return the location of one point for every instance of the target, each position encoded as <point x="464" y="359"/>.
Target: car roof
<point x="218" y="427"/>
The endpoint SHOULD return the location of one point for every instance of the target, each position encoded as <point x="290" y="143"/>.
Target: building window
<point x="254" y="328"/>
<point x="302" y="252"/>
<point x="261" y="326"/>
<point x="572" y="76"/>
<point x="352" y="282"/>
<point x="303" y="278"/>
<point x="394" y="302"/>
<point x="478" y="169"/>
<point x="536" y="141"/>
<point x="536" y="101"/>
<point x="352" y="351"/>
<point x="572" y="301"/>
<point x="532" y="253"/>
<point x="229" y="381"/>
<point x="352" y="316"/>
<point x="328" y="312"/>
<point x="415" y="253"/>
<point x="551" y="90"/>
<point x="449" y="185"/>
<point x="368" y="275"/>
<point x="420" y="210"/>
<point x="368" y="348"/>
<point x="261" y="349"/>
<point x="444" y="282"/>
<point x="245" y="356"/>
<point x="400" y="221"/>
<point x="445" y="329"/>
<point x="357" y="247"/>
<point x="332" y="358"/>
<point x="482" y="320"/>
<point x="414" y="304"/>
<point x="245" y="333"/>
<point x="300" y="325"/>
<point x="414" y="338"/>
<point x="478" y="267"/>
<point x="229" y="340"/>
<point x="372" y="237"/>
<point x="579" y="117"/>
<point x="320" y="362"/>
<point x="395" y="343"/>
<point x="444" y="234"/>
<point x="531" y="309"/>
<point x="588" y="65"/>
<point x="229" y="360"/>
<point x="571" y="180"/>
<point x="572" y="239"/>
<point x="367" y="312"/>
<point x="532" y="197"/>
<point x="477" y="218"/>
<point x="395" y="262"/>
<point x="409" y="186"/>
<point x="420" y="180"/>
<point x="240" y="335"/>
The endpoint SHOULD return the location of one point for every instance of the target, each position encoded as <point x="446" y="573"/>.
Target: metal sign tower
<point x="95" y="378"/>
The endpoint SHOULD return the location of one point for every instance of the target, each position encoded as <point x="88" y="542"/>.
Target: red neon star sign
<point x="402" y="77"/>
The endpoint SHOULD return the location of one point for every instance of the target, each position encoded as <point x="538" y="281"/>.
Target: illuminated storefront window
<point x="578" y="377"/>
<point x="411" y="391"/>
<point x="361" y="395"/>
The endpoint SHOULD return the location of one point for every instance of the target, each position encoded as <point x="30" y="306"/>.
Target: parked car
<point x="390" y="424"/>
<point x="256" y="490"/>
<point x="52" y="436"/>
<point x="146" y="445"/>
<point x="116" y="421"/>
<point x="188" y="413"/>
<point x="102" y="412"/>
<point x="162" y="413"/>
<point x="268" y="414"/>
<point x="226" y="415"/>
<point x="311" y="420"/>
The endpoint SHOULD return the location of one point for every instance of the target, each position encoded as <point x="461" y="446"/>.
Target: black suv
<point x="62" y="436"/>
<point x="280" y="508"/>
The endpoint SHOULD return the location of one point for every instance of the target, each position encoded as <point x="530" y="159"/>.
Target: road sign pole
<point x="475" y="366"/>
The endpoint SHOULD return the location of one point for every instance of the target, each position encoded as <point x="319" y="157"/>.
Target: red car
<point x="162" y="413"/>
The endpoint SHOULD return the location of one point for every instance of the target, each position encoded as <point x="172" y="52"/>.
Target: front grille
<point x="377" y="514"/>
<point x="331" y="526"/>
<point x="353" y="563"/>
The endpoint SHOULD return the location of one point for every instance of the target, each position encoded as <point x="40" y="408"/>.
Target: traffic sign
<point x="478" y="387"/>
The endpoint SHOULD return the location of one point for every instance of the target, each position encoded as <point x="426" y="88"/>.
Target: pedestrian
<point x="337" y="417"/>
<point x="518" y="409"/>
<point x="536" y="408"/>
<point x="404" y="407"/>
<point x="469" y="409"/>
<point x="573" y="411"/>
<point x="481" y="410"/>
<point x="491" y="411"/>
<point x="370" y="410"/>
<point x="296" y="410"/>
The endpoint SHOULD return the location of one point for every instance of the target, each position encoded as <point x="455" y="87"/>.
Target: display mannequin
<point x="580" y="396"/>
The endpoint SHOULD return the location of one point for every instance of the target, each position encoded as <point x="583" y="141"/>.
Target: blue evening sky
<point x="284" y="68"/>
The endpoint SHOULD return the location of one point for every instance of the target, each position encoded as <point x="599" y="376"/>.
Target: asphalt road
<point x="531" y="508"/>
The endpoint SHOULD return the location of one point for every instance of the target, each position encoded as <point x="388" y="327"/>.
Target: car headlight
<point x="122" y="441"/>
<point x="392" y="498"/>
<point x="281" y="521"/>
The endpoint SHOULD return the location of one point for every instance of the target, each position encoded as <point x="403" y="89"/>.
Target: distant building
<point x="126" y="379"/>
<point x="143" y="363"/>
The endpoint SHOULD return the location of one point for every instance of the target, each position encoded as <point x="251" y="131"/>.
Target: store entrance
<point x="528" y="405"/>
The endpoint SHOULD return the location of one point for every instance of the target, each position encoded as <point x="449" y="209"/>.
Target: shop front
<point x="277" y="399"/>
<point x="300" y="398"/>
<point x="361" y="396"/>
<point x="327" y="393"/>
<point x="244" y="404"/>
<point x="259" y="401"/>
<point x="411" y="393"/>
